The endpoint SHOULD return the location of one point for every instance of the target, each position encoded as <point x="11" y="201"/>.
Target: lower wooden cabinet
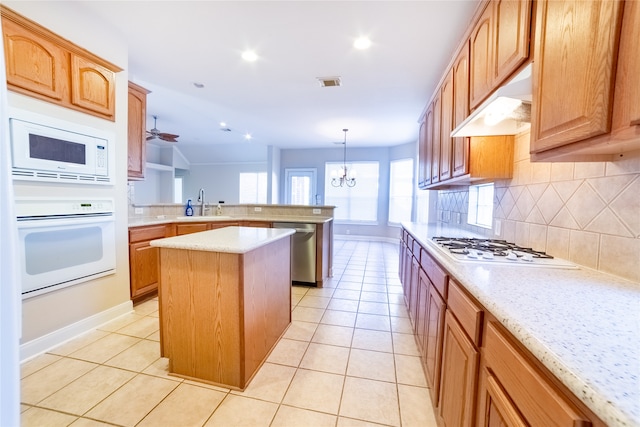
<point x="144" y="260"/>
<point x="512" y="391"/>
<point x="433" y="338"/>
<point x="477" y="372"/>
<point x="458" y="378"/>
<point x="499" y="411"/>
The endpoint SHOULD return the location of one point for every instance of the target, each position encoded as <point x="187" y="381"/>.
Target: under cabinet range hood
<point x="506" y="112"/>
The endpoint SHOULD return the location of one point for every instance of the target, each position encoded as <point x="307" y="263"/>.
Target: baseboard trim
<point x="53" y="339"/>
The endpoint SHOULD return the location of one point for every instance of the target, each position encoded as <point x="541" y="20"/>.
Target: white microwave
<point x="59" y="152"/>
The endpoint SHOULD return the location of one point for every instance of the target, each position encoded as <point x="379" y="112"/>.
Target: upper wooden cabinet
<point x="499" y="46"/>
<point x="137" y="112"/>
<point x="586" y="78"/>
<point x="446" y="126"/>
<point x="460" y="151"/>
<point x="43" y="65"/>
<point x="425" y="138"/>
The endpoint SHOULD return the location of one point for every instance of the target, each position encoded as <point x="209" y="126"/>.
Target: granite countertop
<point x="236" y="240"/>
<point x="167" y="219"/>
<point x="583" y="325"/>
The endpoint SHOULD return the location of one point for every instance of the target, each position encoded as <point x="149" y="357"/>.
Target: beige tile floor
<point x="347" y="359"/>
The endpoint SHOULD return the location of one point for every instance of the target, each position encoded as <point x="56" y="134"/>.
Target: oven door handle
<point x="24" y="223"/>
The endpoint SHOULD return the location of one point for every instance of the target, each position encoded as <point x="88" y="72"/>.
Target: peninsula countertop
<point x="237" y="240"/>
<point x="583" y="325"/>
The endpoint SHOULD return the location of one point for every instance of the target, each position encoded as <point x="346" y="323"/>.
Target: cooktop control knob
<point x="512" y="256"/>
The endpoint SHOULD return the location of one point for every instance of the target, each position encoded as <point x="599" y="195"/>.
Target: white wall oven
<point x="52" y="150"/>
<point x="64" y="242"/>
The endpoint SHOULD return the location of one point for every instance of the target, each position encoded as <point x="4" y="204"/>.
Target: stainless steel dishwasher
<point x="303" y="251"/>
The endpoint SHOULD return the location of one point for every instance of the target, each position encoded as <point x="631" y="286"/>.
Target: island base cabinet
<point x="222" y="313"/>
<point x="511" y="386"/>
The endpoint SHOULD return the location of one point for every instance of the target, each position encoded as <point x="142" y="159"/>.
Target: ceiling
<point x="278" y="99"/>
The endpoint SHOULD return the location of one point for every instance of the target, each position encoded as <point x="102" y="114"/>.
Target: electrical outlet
<point x="257" y="209"/>
<point x="348" y="231"/>
<point x="458" y="218"/>
<point x="497" y="230"/>
<point x="139" y="211"/>
<point x="316" y="211"/>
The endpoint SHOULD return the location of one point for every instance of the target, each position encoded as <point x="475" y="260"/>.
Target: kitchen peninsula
<point x="224" y="299"/>
<point x="160" y="221"/>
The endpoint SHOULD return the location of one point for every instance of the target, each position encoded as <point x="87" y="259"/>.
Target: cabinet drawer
<point x="537" y="400"/>
<point x="410" y="243"/>
<point x="466" y="311"/>
<point x="437" y="276"/>
<point x="416" y="249"/>
<point x="147" y="233"/>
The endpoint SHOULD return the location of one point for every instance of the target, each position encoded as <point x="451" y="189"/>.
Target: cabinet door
<point x="423" y="313"/>
<point x="573" y="72"/>
<point x="182" y="229"/>
<point x="627" y="93"/>
<point x="34" y="65"/>
<point x="143" y="265"/>
<point x="413" y="292"/>
<point x="93" y="87"/>
<point x="498" y="411"/>
<point x="480" y="65"/>
<point x="433" y="341"/>
<point x="427" y="137"/>
<point x="136" y="131"/>
<point x="460" y="152"/>
<point x="632" y="22"/>
<point x="435" y="141"/>
<point x="422" y="154"/>
<point x="458" y="377"/>
<point x="446" y="126"/>
<point x="511" y="33"/>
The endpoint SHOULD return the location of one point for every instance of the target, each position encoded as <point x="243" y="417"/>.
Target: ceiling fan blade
<point x="168" y="135"/>
<point x="151" y="137"/>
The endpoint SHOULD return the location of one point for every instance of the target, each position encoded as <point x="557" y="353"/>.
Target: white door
<point x="300" y="186"/>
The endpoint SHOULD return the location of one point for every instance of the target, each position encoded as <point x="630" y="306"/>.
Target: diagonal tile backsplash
<point x="588" y="213"/>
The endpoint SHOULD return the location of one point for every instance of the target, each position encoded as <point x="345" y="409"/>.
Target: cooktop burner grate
<point x="499" y="248"/>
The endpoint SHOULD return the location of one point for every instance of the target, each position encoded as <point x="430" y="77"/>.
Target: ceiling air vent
<point x="329" y="81"/>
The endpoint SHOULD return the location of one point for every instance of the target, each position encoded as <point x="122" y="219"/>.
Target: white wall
<point x="51" y="317"/>
<point x="220" y="181"/>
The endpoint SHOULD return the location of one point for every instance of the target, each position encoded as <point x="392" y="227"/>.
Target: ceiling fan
<point x="156" y="134"/>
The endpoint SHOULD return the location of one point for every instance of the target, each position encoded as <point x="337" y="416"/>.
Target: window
<point x="481" y="205"/>
<point x="177" y="190"/>
<point x="400" y="190"/>
<point x="253" y="187"/>
<point x="300" y="186"/>
<point x="354" y="204"/>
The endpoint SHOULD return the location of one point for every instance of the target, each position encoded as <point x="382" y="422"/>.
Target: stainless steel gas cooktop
<point x="493" y="251"/>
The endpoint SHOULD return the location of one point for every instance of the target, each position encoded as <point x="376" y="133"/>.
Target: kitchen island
<point x="224" y="299"/>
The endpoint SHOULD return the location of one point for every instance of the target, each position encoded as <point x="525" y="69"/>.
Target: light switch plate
<point x="257" y="209"/>
<point x="317" y="211"/>
<point x="498" y="228"/>
<point x="139" y="211"/>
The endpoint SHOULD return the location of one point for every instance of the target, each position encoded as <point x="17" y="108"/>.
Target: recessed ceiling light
<point x="247" y="136"/>
<point x="362" y="43"/>
<point x="223" y="124"/>
<point x="249" y="55"/>
<point x="198" y="85"/>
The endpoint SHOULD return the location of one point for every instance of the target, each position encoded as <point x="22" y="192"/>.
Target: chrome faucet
<point x="203" y="207"/>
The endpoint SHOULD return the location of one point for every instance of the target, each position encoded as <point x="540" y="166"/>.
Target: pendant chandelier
<point x="343" y="176"/>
